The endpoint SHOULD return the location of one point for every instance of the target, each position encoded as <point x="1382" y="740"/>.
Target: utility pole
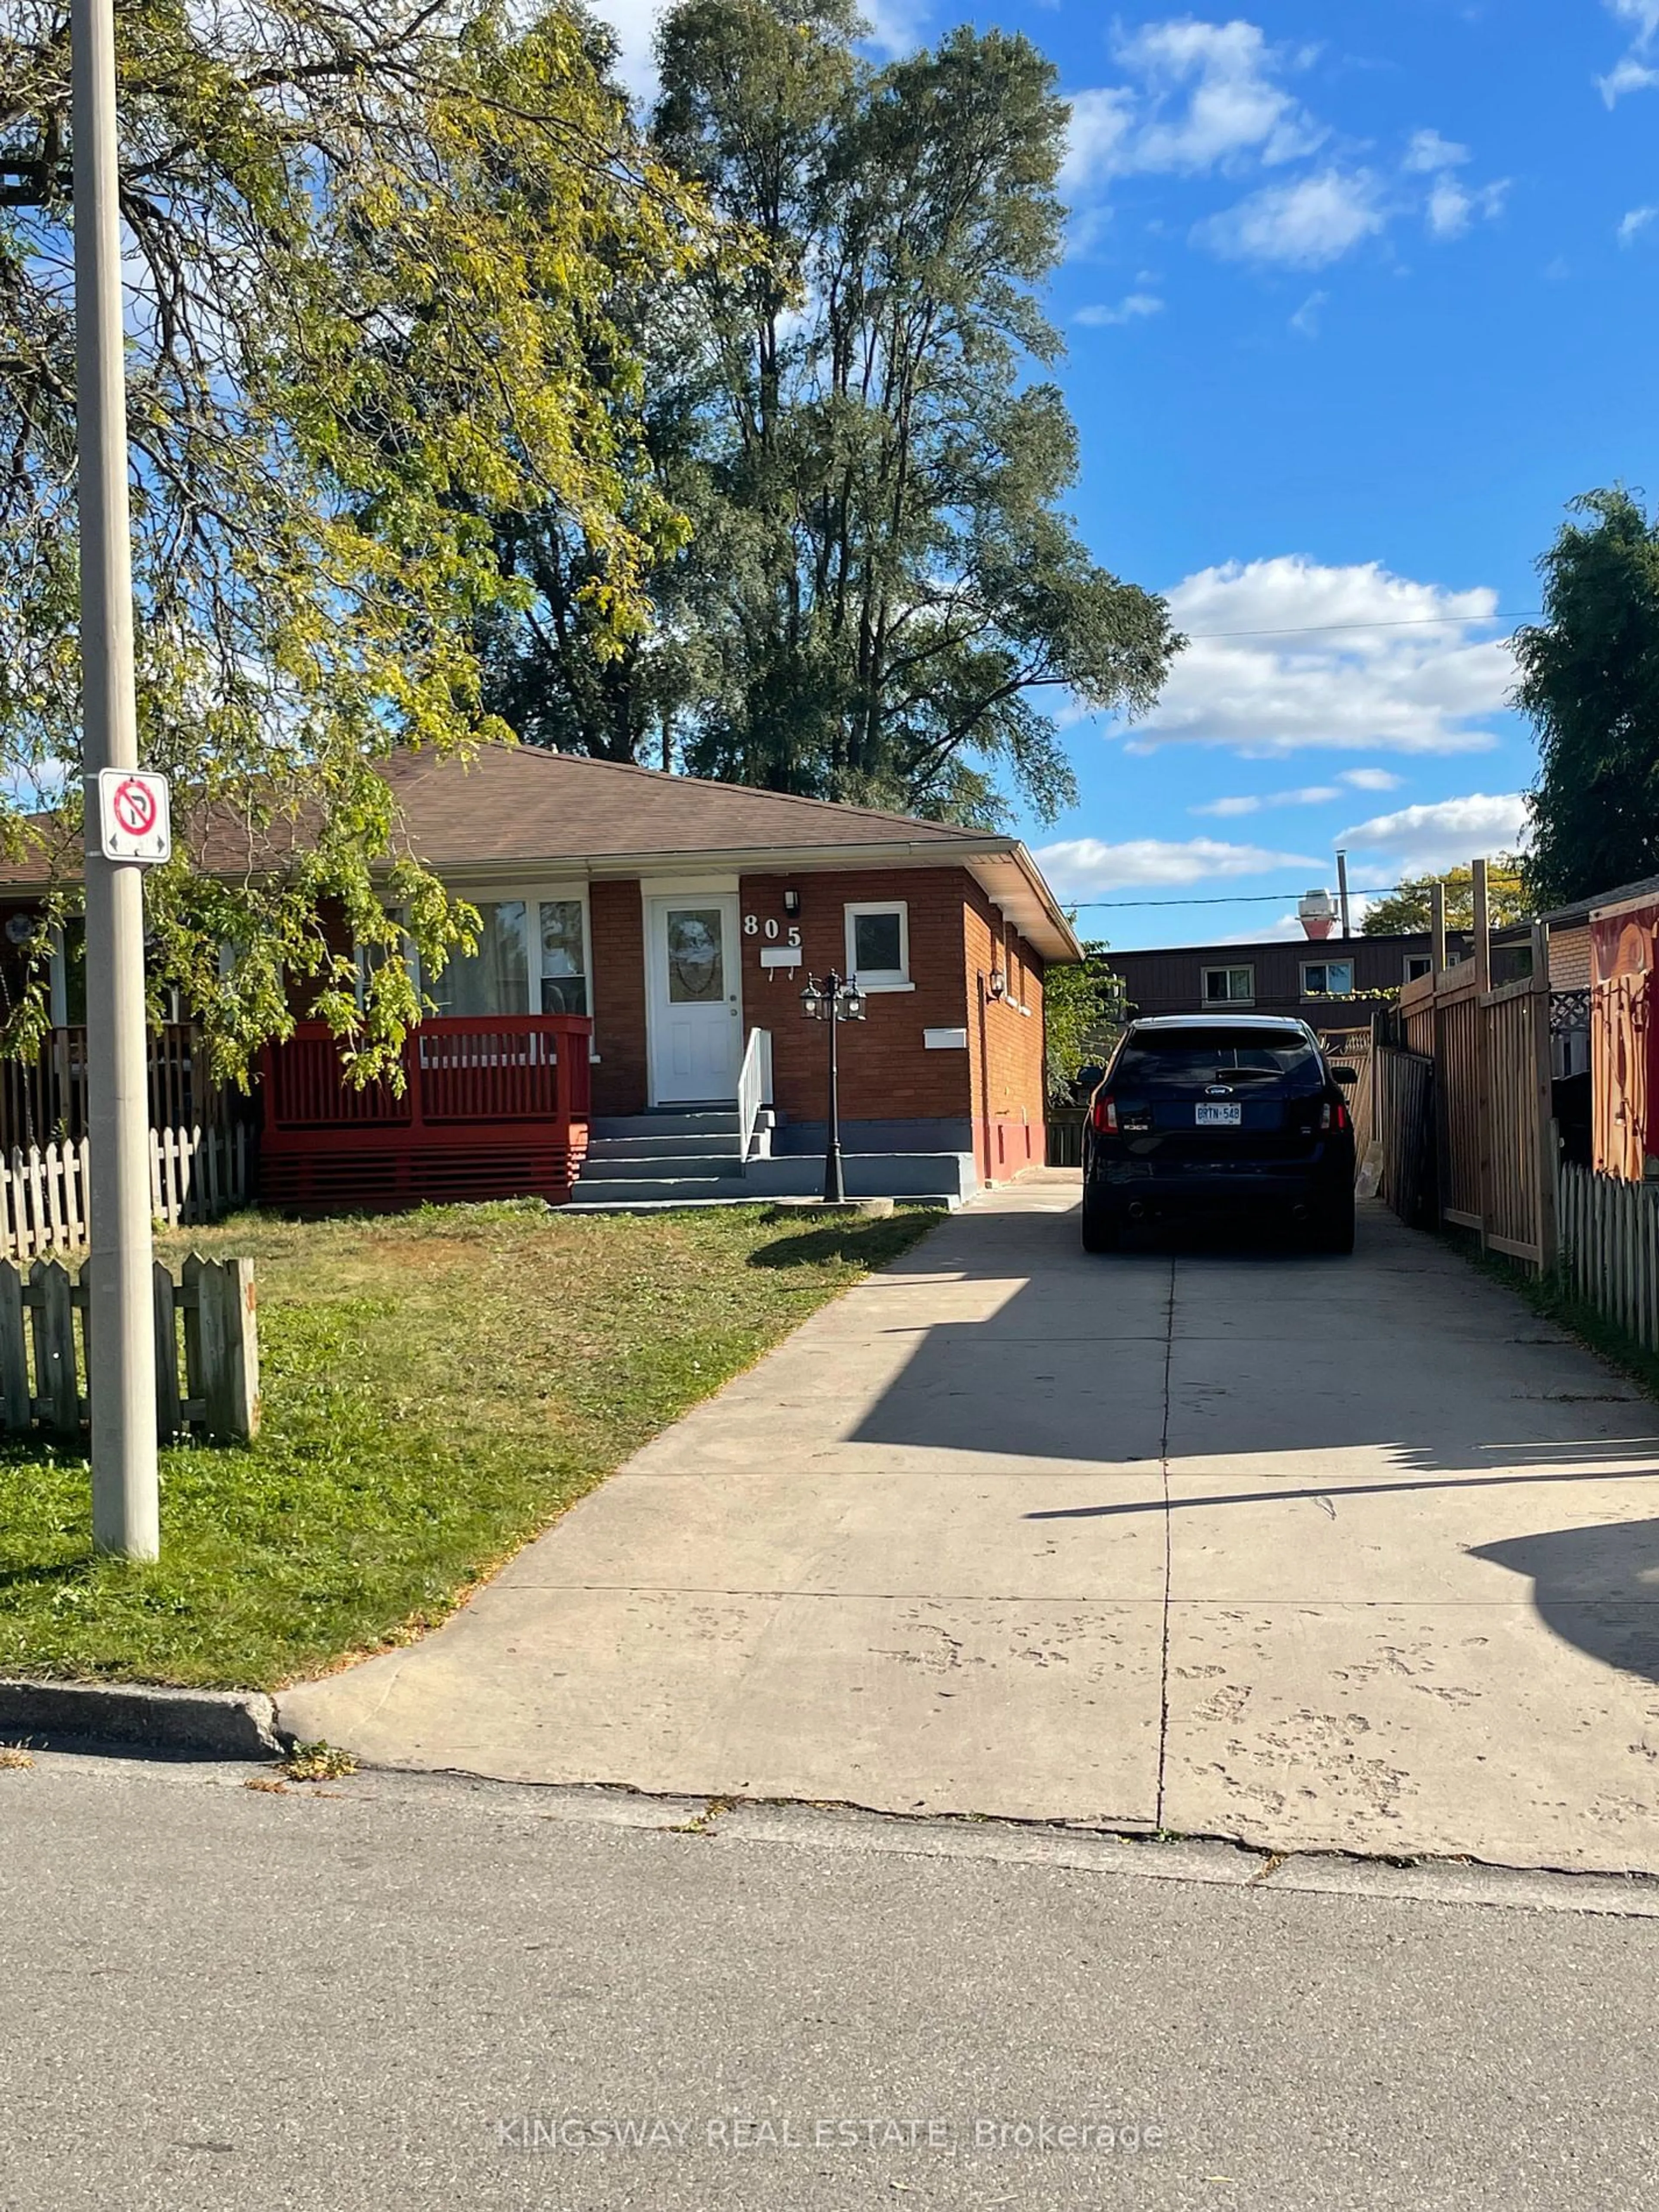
<point x="121" y="1366"/>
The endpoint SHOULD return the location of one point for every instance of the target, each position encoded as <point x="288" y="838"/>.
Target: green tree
<point x="373" y="249"/>
<point x="1408" y="907"/>
<point x="881" y="587"/>
<point x="1589" y="682"/>
<point x="1084" y="1013"/>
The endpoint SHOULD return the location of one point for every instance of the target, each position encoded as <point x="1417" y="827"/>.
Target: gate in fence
<point x="1483" y="1064"/>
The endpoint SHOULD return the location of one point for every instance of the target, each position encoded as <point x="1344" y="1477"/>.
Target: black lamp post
<point x="834" y="1000"/>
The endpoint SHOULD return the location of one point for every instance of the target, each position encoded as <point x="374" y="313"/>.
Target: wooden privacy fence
<point x="1063" y="1136"/>
<point x="47" y="1352"/>
<point x="194" y="1175"/>
<point x="1610" y="1247"/>
<point x="1353" y="1049"/>
<point x="1493" y="1138"/>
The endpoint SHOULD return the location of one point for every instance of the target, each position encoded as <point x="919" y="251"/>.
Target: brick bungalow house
<point x="645" y="941"/>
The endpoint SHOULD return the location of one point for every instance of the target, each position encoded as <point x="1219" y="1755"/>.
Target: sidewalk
<point x="1308" y="1550"/>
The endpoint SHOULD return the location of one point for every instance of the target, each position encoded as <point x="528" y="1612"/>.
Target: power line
<point x="1256" y="898"/>
<point x="1402" y="621"/>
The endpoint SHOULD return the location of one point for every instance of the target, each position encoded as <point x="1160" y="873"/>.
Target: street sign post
<point x="121" y="1376"/>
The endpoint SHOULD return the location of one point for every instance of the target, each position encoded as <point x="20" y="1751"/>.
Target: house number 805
<point x="753" y="926"/>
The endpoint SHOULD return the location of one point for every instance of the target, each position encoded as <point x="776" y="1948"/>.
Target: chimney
<point x="1316" y="913"/>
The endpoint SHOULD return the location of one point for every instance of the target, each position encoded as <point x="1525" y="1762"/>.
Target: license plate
<point x="1219" y="1117"/>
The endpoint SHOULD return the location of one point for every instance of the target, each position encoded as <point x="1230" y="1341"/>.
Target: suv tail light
<point x="1105" y="1117"/>
<point x="1334" y="1114"/>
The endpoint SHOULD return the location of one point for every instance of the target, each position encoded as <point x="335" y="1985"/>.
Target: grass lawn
<point x="438" y="1387"/>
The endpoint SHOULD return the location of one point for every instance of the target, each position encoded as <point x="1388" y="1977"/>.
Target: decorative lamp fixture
<point x="832" y="998"/>
<point x="791" y="902"/>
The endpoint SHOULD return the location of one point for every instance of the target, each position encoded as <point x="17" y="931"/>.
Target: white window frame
<point x="1308" y="992"/>
<point x="532" y="902"/>
<point x="879" y="979"/>
<point x="1415" y="965"/>
<point x="1246" y="968"/>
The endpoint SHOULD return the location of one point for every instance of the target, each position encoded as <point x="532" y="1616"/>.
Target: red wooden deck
<point x="490" y="1107"/>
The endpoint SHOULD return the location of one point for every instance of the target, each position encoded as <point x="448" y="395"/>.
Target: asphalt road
<point x="405" y="1991"/>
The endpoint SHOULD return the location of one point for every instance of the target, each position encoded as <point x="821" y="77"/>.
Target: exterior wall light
<point x="791" y="902"/>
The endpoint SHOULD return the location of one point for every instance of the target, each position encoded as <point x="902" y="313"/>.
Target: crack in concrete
<point x="1168" y="1555"/>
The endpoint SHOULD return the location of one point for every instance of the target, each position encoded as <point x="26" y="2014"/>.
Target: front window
<point x="878" y="946"/>
<point x="1328" y="978"/>
<point x="1417" y="964"/>
<point x="1229" y="986"/>
<point x="496" y="978"/>
<point x="564" y="957"/>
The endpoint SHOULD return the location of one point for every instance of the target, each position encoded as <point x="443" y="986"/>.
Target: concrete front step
<point x="694" y="1144"/>
<point x="941" y="1178"/>
<point x="698" y="1123"/>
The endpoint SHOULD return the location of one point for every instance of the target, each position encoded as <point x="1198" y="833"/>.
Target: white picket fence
<point x="1609" y="1236"/>
<point x="194" y="1175"/>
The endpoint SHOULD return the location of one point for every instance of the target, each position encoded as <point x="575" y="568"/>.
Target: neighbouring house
<point x="630" y="1026"/>
<point x="1329" y="982"/>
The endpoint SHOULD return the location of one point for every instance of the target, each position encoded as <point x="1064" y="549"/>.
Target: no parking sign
<point x="133" y="818"/>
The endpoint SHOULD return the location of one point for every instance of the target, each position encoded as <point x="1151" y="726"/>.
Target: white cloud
<point x="634" y="23"/>
<point x="1350" y="659"/>
<point x="1310" y="794"/>
<point x="1371" y="778"/>
<point x="1079" y="864"/>
<point x="1635" y="223"/>
<point x="1451" y="209"/>
<point x="1428" y="152"/>
<point x="1101" y="123"/>
<point x="1136" y="308"/>
<point x="1305" y="321"/>
<point x="1627" y="76"/>
<point x="1631" y="73"/>
<point x="1447" y="834"/>
<point x="1202" y="96"/>
<point x="1306" y="224"/>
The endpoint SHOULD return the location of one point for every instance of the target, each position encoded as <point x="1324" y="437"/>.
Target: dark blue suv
<point x="1202" y="1116"/>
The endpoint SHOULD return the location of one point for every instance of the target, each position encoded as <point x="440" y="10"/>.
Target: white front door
<point x="695" y="1007"/>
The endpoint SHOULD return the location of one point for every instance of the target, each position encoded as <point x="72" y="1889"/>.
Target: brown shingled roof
<point x="522" y="803"/>
<point x="514" y="805"/>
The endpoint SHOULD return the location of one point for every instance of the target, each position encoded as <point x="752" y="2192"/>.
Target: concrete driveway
<point x="1309" y="1552"/>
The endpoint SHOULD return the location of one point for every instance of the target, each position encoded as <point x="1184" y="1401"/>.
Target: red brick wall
<point x="886" y="1071"/>
<point x="616" y="919"/>
<point x="1006" y="1045"/>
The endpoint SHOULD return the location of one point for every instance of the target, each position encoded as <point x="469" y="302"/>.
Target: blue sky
<point x="1357" y="298"/>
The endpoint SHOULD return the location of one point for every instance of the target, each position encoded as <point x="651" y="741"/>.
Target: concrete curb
<point x="212" y="1724"/>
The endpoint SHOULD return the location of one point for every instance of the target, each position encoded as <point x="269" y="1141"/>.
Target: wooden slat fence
<point x="207" y="1350"/>
<point x="1610" y="1247"/>
<point x="1492" y="1155"/>
<point x="194" y="1175"/>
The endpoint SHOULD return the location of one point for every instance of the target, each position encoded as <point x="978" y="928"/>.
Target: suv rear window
<point x="1182" y="1056"/>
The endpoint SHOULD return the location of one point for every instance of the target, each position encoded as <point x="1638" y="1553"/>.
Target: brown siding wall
<point x="1172" y="981"/>
<point x="617" y="919"/>
<point x="886" y="1070"/>
<point x="1570" y="958"/>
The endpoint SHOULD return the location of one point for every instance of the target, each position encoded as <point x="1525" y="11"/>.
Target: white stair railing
<point x="754" y="1092"/>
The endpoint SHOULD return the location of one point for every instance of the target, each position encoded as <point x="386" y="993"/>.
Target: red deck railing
<point x="490" y="1106"/>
